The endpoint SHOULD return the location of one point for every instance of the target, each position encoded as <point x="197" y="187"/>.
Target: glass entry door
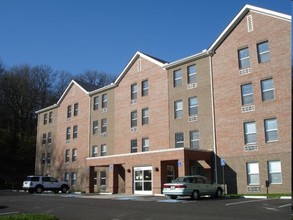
<point x="142" y="180"/>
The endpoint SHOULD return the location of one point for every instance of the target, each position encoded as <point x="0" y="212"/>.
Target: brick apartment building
<point x="162" y="120"/>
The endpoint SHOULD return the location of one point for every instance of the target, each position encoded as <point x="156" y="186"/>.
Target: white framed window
<point x="49" y="137"/>
<point x="66" y="177"/>
<point x="43" y="159"/>
<point x="50" y="117"/>
<point x="75" y="131"/>
<point x="252" y="173"/>
<point x="191" y="74"/>
<point x="73" y="178"/>
<point x="103" y="150"/>
<point x="193" y="106"/>
<point x="271" y="129"/>
<point x="103" y="177"/>
<point x="267" y="89"/>
<point x="44" y="138"/>
<point x="104" y="126"/>
<point x="243" y="58"/>
<point x="133" y="146"/>
<point x="145" y="144"/>
<point x="263" y="52"/>
<point x="67" y="156"/>
<point x="74" y="154"/>
<point x="275" y="172"/>
<point x="177" y="78"/>
<point x="96" y="103"/>
<point x="104" y="101"/>
<point x="194" y="139"/>
<point x="75" y="109"/>
<point x="68" y="133"/>
<point x="133" y="92"/>
<point x="145" y="116"/>
<point x="45" y="118"/>
<point x="247" y="94"/>
<point x="133" y="119"/>
<point x="145" y="88"/>
<point x="178" y="109"/>
<point x="48" y="158"/>
<point x="95" y="127"/>
<point x="94" y="151"/>
<point x="68" y="111"/>
<point x="179" y="140"/>
<point x="250" y="132"/>
<point x="95" y="178"/>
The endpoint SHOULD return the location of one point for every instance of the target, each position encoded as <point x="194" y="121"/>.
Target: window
<point x="43" y="159"/>
<point x="170" y="173"/>
<point x="250" y="132"/>
<point x="103" y="150"/>
<point x="49" y="137"/>
<point x="48" y="158"/>
<point x="133" y="146"/>
<point x="104" y="126"/>
<point x="134" y="91"/>
<point x="178" y="107"/>
<point x="252" y="173"/>
<point x="271" y="129"/>
<point x="68" y="133"/>
<point x="73" y="178"/>
<point x="50" y="117"/>
<point x="193" y="106"/>
<point x="145" y="116"/>
<point x="177" y="78"/>
<point x="95" y="127"/>
<point x="67" y="156"/>
<point x="74" y="155"/>
<point x="244" y="59"/>
<point x="95" y="178"/>
<point x="75" y="110"/>
<point x="267" y="89"/>
<point x="44" y="138"/>
<point x="247" y="94"/>
<point x="263" y="52"/>
<point x="145" y="88"/>
<point x="68" y="111"/>
<point x="45" y="118"/>
<point x="275" y="173"/>
<point x="94" y="151"/>
<point x="105" y="101"/>
<point x="145" y="144"/>
<point x="66" y="177"/>
<point x="191" y="74"/>
<point x="96" y="103"/>
<point x="194" y="139"/>
<point x="75" y="131"/>
<point x="133" y="119"/>
<point x="179" y="140"/>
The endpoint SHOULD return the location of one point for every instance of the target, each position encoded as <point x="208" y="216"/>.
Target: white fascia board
<point x="47" y="108"/>
<point x="240" y="16"/>
<point x="186" y="59"/>
<point x="112" y="85"/>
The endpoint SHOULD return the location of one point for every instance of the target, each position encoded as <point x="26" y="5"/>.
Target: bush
<point x="29" y="217"/>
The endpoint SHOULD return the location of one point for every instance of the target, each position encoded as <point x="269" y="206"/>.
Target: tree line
<point x="24" y="89"/>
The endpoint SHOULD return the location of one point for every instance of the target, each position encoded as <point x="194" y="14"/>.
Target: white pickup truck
<point x="194" y="186"/>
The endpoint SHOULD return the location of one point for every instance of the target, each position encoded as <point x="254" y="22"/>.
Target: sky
<point x="103" y="35"/>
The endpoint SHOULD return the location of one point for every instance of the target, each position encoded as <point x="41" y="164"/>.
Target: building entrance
<point x="142" y="178"/>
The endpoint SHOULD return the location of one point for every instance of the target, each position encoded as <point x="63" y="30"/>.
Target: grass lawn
<point x="28" y="217"/>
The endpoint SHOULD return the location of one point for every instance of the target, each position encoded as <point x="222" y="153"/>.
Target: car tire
<point x="64" y="188"/>
<point x="173" y="197"/>
<point x="219" y="193"/>
<point x="39" y="189"/>
<point x="195" y="195"/>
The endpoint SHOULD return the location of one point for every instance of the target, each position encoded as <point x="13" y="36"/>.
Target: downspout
<point x="211" y="53"/>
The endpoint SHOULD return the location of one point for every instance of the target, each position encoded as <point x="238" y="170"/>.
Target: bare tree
<point x="95" y="78"/>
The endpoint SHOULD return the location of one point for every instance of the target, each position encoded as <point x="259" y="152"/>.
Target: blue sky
<point x="103" y="35"/>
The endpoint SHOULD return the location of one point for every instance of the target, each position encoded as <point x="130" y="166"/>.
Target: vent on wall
<point x="249" y="23"/>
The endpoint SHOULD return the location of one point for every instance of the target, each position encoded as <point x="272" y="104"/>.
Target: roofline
<point x="202" y="54"/>
<point x="135" y="56"/>
<point x="110" y="86"/>
<point x="240" y="16"/>
<point x="47" y="108"/>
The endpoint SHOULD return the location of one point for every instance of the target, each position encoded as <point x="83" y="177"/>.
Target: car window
<point x="199" y="180"/>
<point x="46" y="179"/>
<point x="35" y="179"/>
<point x="194" y="180"/>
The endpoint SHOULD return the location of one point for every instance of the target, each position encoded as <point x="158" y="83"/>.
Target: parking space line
<point x="283" y="206"/>
<point x="9" y="213"/>
<point x="249" y="201"/>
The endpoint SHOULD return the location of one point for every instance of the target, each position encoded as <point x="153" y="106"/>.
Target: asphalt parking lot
<point x="81" y="206"/>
